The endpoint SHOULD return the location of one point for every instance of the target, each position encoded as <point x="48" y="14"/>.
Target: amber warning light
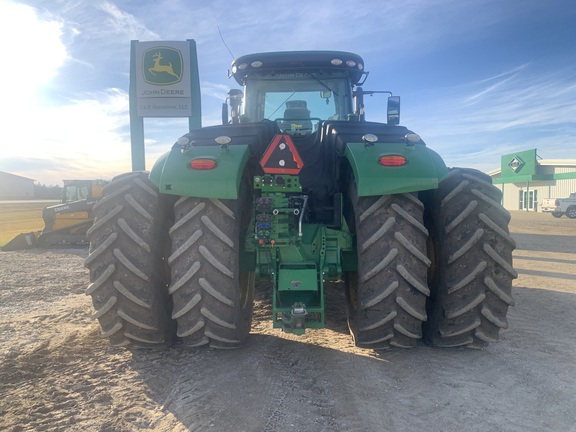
<point x="203" y="164"/>
<point x="392" y="160"/>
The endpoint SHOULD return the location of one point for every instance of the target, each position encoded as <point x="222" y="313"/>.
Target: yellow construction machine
<point x="65" y="224"/>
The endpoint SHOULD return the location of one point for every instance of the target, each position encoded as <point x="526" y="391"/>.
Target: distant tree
<point x="42" y="191"/>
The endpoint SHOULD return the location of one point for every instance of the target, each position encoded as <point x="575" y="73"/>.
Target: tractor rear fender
<point x="423" y="169"/>
<point x="223" y="167"/>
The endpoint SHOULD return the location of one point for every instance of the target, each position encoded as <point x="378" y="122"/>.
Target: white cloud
<point x="215" y="90"/>
<point x="526" y="100"/>
<point x="124" y="24"/>
<point x="82" y="137"/>
<point x="521" y="98"/>
<point x="494" y="83"/>
<point x="472" y="125"/>
<point x="85" y="138"/>
<point x="32" y="53"/>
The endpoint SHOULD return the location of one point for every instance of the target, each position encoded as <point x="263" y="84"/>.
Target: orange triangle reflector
<point x="281" y="157"/>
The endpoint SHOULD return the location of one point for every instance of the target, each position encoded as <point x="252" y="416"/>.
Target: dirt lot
<point x="57" y="374"/>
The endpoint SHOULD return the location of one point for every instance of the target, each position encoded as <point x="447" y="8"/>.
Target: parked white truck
<point x="559" y="206"/>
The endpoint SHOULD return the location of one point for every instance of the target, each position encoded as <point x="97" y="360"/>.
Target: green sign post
<point x="164" y="82"/>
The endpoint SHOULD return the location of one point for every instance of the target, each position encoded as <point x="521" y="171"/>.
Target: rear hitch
<point x="295" y="320"/>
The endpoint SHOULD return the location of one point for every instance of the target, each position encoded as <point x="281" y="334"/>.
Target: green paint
<point x="423" y="171"/>
<point x="172" y="173"/>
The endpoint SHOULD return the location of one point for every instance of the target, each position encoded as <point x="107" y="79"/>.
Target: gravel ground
<point x="57" y="374"/>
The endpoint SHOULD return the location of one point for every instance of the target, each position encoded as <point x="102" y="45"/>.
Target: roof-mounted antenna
<point x="221" y="37"/>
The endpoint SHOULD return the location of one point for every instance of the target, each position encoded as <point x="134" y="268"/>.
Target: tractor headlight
<point x="370" y="138"/>
<point x="412" y="138"/>
<point x="183" y="141"/>
<point x="223" y="140"/>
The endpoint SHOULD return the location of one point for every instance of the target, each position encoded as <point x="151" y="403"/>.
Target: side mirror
<point x="235" y="97"/>
<point x="394" y="110"/>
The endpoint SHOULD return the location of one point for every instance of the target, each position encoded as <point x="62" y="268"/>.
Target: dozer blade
<point x="22" y="241"/>
<point x="69" y="236"/>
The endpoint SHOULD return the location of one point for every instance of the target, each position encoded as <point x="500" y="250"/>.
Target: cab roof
<point x="308" y="61"/>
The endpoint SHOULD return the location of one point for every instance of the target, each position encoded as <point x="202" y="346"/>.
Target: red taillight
<point x="392" y="160"/>
<point x="203" y="164"/>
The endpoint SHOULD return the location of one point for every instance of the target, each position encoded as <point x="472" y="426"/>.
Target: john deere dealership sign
<point x="164" y="82"/>
<point x="163" y="79"/>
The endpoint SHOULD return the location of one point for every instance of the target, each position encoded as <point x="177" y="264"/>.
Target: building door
<point x="528" y="200"/>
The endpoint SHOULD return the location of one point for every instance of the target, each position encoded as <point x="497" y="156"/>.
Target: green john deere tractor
<point x="297" y="188"/>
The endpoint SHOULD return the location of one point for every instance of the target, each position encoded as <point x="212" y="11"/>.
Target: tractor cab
<point x="78" y="190"/>
<point x="300" y="90"/>
<point x="287" y="86"/>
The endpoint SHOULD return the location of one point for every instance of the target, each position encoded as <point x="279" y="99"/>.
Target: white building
<point x="13" y="186"/>
<point x="525" y="180"/>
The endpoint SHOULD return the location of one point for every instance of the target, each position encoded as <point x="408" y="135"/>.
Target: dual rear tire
<point x="150" y="273"/>
<point x="440" y="268"/>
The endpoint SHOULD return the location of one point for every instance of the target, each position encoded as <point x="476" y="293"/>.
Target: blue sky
<point x="478" y="78"/>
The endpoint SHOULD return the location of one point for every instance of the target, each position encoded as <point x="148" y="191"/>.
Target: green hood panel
<point x="172" y="173"/>
<point x="424" y="170"/>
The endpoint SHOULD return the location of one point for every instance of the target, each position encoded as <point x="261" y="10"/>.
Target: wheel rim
<point x="247" y="280"/>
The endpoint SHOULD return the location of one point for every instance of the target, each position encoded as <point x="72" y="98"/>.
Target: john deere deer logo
<point x="162" y="66"/>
